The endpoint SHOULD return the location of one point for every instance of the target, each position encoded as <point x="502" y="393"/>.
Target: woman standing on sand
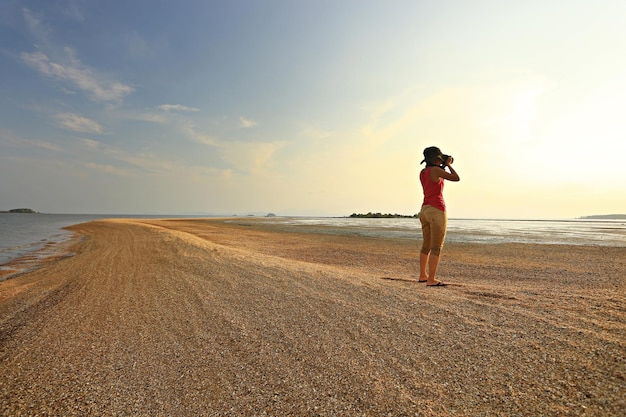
<point x="433" y="213"/>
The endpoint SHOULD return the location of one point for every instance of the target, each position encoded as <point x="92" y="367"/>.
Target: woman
<point x="433" y="213"/>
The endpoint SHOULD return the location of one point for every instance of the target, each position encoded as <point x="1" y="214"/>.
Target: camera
<point x="445" y="159"/>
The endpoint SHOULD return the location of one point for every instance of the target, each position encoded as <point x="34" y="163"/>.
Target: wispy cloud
<point x="90" y="143"/>
<point x="160" y="114"/>
<point x="8" y="138"/>
<point x="35" y="25"/>
<point x="63" y="65"/>
<point x="107" y="169"/>
<point x="78" y="123"/>
<point x="151" y="116"/>
<point x="177" y="107"/>
<point x="191" y="132"/>
<point x="138" y="47"/>
<point x="120" y="161"/>
<point x="249" y="157"/>
<point x="74" y="11"/>
<point x="96" y="86"/>
<point x="246" y="123"/>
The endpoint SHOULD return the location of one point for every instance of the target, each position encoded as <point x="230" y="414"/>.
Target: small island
<point x="604" y="217"/>
<point x="21" y="210"/>
<point x="371" y="215"/>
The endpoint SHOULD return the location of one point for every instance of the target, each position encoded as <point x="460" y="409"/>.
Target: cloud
<point x="143" y="116"/>
<point x="90" y="143"/>
<point x="249" y="157"/>
<point x="119" y="161"/>
<point x="106" y="168"/>
<point x="74" y="11"/>
<point x="137" y="46"/>
<point x="35" y="25"/>
<point x="104" y="158"/>
<point x="246" y="123"/>
<point x="194" y="135"/>
<point x="7" y="137"/>
<point x="78" y="123"/>
<point x="73" y="71"/>
<point x="315" y="133"/>
<point x="154" y="115"/>
<point x="177" y="107"/>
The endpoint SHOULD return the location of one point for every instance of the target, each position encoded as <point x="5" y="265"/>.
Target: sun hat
<point x="431" y="153"/>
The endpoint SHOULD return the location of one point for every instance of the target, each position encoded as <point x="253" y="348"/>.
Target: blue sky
<point x="312" y="107"/>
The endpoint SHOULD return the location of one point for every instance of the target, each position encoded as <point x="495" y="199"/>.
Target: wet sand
<point x="203" y="317"/>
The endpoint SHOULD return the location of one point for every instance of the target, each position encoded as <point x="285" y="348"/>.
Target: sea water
<point x="564" y="232"/>
<point x="21" y="234"/>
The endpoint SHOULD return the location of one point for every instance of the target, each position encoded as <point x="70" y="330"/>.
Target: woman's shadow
<point x="399" y="279"/>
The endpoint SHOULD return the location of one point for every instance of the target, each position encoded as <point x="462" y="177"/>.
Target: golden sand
<point x="215" y="318"/>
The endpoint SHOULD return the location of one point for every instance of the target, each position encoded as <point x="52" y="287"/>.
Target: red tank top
<point x="433" y="191"/>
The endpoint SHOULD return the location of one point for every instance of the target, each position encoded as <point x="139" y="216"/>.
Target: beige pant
<point x="434" y="225"/>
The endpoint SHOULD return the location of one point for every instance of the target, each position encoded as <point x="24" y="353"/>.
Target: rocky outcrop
<point x="20" y="210"/>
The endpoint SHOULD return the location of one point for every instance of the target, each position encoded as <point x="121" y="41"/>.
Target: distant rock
<point x="270" y="215"/>
<point x="20" y="210"/>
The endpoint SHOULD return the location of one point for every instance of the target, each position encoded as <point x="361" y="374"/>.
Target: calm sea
<point x="563" y="232"/>
<point x="21" y="234"/>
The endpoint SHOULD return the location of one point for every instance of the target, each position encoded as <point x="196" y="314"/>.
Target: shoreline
<point x="460" y="230"/>
<point x="42" y="245"/>
<point x="193" y="317"/>
<point x="33" y="260"/>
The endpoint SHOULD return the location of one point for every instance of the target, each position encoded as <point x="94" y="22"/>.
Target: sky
<point x="312" y="107"/>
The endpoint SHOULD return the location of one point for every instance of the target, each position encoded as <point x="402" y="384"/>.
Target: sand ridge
<point x="215" y="317"/>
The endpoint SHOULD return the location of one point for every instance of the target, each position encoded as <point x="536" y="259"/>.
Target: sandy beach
<point x="213" y="318"/>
